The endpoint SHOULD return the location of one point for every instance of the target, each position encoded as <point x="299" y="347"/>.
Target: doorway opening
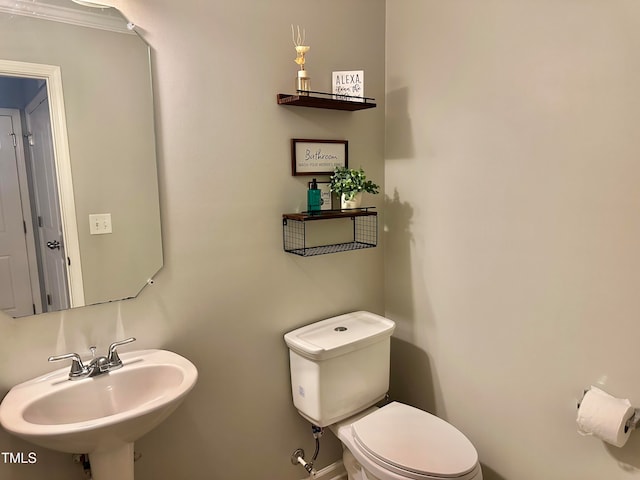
<point x="40" y="269"/>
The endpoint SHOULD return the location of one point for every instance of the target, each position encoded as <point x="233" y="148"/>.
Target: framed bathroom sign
<point x="318" y="157"/>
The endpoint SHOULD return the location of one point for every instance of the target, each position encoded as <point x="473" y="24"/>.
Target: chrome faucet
<point x="97" y="365"/>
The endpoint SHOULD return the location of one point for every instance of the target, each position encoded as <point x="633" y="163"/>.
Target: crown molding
<point x="55" y="13"/>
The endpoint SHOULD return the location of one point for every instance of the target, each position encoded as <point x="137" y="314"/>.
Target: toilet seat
<point x="414" y="444"/>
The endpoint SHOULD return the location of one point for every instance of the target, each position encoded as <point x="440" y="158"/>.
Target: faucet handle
<point x="112" y="355"/>
<point x="77" y="367"/>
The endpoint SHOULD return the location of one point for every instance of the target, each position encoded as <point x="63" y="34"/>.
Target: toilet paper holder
<point x="630" y="424"/>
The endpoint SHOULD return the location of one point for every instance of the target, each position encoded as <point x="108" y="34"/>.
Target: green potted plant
<point x="349" y="183"/>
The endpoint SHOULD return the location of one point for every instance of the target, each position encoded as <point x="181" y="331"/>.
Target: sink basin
<point x="101" y="415"/>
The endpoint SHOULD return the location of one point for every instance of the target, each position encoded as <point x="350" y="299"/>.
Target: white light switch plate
<point x="100" y="223"/>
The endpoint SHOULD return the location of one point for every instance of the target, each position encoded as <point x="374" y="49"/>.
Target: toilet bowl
<point x="339" y="371"/>
<point x="400" y="442"/>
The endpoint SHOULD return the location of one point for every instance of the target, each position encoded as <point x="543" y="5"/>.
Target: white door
<point x="54" y="260"/>
<point x="16" y="297"/>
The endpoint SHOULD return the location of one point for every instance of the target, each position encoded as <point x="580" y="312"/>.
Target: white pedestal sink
<point x="101" y="415"/>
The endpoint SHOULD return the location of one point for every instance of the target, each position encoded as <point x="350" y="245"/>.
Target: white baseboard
<point x="335" y="471"/>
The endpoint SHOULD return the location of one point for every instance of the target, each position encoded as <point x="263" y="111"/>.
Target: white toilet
<point x="339" y="370"/>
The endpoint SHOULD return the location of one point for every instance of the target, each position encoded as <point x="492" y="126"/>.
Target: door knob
<point x="53" y="245"/>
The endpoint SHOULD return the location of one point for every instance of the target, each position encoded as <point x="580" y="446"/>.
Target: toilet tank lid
<point x="338" y="335"/>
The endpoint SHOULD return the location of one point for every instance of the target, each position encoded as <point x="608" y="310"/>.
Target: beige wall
<point x="512" y="255"/>
<point x="510" y="218"/>
<point x="228" y="292"/>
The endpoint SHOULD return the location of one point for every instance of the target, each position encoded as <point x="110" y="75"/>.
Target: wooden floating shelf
<point x="322" y="102"/>
<point x="328" y="214"/>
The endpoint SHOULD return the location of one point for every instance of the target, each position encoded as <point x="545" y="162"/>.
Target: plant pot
<point x="353" y="203"/>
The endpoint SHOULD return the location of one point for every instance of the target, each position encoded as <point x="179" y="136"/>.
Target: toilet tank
<point x="339" y="366"/>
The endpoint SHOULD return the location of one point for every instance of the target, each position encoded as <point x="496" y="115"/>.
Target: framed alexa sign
<point x="318" y="157"/>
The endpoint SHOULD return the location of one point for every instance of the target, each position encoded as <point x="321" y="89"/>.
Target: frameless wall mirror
<point x="79" y="210"/>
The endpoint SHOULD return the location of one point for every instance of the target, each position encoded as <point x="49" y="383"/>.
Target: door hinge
<point x="39" y="221"/>
<point x="34" y="308"/>
<point x="68" y="261"/>
<point x="24" y="225"/>
<point x="48" y="299"/>
<point x="13" y="137"/>
<point x="29" y="138"/>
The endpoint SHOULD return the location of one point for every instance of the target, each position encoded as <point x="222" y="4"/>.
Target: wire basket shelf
<point x="363" y="232"/>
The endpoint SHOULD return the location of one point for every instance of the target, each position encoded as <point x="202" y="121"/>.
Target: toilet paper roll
<point x="604" y="417"/>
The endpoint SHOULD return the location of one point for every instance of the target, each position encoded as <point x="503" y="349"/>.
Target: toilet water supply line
<point x="298" y="454"/>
